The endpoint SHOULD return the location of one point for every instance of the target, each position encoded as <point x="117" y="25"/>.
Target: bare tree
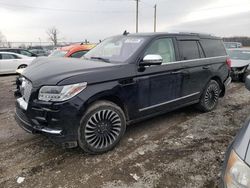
<point x="2" y="39"/>
<point x="53" y="33"/>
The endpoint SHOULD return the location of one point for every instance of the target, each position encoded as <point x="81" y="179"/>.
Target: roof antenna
<point x="125" y="32"/>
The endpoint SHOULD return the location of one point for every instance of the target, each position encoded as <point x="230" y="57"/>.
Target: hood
<point x="239" y="63"/>
<point x="63" y="71"/>
<point x="242" y="142"/>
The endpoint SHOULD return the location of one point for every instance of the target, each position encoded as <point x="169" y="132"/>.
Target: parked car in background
<point x="40" y="52"/>
<point x="125" y="79"/>
<point x="10" y="62"/>
<point x="75" y="51"/>
<point x="240" y="58"/>
<point x="232" y="44"/>
<point x="18" y="51"/>
<point x="236" y="168"/>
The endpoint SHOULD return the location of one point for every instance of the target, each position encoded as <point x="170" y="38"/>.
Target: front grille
<point x="26" y="88"/>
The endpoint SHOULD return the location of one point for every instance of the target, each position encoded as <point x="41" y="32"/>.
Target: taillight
<point x="228" y="62"/>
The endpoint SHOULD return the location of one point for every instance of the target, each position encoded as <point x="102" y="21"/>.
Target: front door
<point x="160" y="86"/>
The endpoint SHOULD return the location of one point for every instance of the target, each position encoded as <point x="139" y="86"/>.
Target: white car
<point x="10" y="62"/>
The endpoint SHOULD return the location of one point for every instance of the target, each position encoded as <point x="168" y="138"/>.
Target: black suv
<point x="18" y="51"/>
<point x="89" y="101"/>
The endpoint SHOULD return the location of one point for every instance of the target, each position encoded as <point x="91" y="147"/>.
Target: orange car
<point x="75" y="50"/>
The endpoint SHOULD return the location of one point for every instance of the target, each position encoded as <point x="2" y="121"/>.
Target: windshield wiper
<point x="101" y="58"/>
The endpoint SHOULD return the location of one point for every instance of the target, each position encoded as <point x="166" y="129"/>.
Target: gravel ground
<point x="184" y="148"/>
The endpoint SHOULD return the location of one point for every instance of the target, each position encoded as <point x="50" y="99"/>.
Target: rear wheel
<point x="210" y="96"/>
<point x="101" y="127"/>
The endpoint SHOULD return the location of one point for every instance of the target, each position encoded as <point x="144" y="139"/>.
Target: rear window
<point x="213" y="47"/>
<point x="79" y="54"/>
<point x="189" y="50"/>
<point x="239" y="54"/>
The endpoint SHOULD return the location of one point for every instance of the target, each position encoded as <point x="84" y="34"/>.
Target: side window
<point x="78" y="54"/>
<point x="189" y="50"/>
<point x="23" y="52"/>
<point x="213" y="47"/>
<point x="9" y="56"/>
<point x="163" y="47"/>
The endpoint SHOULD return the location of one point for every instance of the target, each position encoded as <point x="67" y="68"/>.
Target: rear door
<point x="9" y="63"/>
<point x="198" y="68"/>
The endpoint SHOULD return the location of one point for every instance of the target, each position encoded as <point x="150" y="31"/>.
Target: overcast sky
<point x="28" y="20"/>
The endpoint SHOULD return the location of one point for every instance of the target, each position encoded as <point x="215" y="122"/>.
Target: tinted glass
<point x="213" y="47"/>
<point x="78" y="54"/>
<point x="9" y="56"/>
<point x="189" y="50"/>
<point x="163" y="47"/>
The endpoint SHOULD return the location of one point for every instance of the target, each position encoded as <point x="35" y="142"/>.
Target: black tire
<point x="22" y="66"/>
<point x="210" y="97"/>
<point x="244" y="76"/>
<point x="101" y="127"/>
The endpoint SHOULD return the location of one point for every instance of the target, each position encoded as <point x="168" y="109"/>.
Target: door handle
<point x="176" y="72"/>
<point x="205" y="67"/>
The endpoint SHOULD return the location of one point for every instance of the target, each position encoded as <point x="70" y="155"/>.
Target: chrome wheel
<point x="211" y="96"/>
<point x="103" y="128"/>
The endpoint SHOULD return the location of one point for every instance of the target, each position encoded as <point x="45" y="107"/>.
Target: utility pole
<point x="137" y="12"/>
<point x="155" y="18"/>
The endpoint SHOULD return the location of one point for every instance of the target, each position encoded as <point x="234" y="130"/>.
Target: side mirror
<point x="151" y="59"/>
<point x="247" y="82"/>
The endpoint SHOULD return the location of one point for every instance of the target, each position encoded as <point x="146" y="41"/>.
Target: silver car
<point x="236" y="168"/>
<point x="240" y="60"/>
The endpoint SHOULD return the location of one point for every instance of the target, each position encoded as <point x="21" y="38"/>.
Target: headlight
<point x="60" y="93"/>
<point x="237" y="172"/>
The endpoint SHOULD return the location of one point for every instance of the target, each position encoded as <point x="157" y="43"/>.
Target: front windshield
<point x="239" y="54"/>
<point x="58" y="53"/>
<point x="115" y="49"/>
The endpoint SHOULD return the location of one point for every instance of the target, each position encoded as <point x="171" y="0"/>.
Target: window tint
<point x="78" y="54"/>
<point x="213" y="47"/>
<point x="189" y="50"/>
<point x="9" y="56"/>
<point x="24" y="52"/>
<point x="163" y="47"/>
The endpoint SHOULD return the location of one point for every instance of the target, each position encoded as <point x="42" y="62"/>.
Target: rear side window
<point x="213" y="47"/>
<point x="189" y="50"/>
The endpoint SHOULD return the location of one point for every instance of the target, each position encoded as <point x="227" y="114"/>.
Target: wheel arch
<point x="108" y="97"/>
<point x="218" y="80"/>
<point x="23" y="64"/>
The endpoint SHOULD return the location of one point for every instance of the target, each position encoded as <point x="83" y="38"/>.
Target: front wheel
<point x="101" y="128"/>
<point x="210" y="96"/>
